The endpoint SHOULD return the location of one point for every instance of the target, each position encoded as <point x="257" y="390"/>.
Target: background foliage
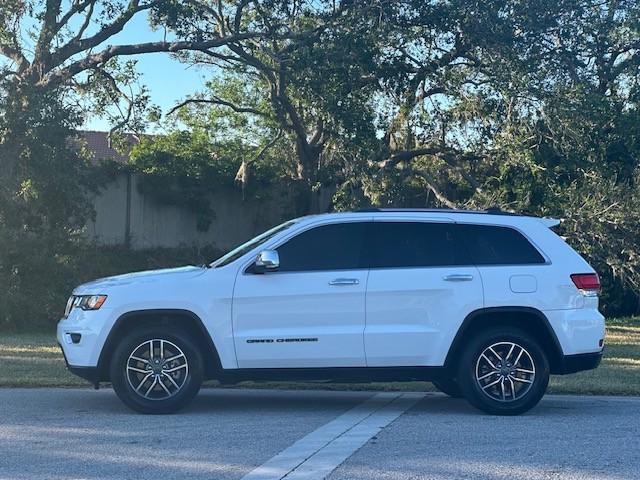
<point x="530" y="105"/>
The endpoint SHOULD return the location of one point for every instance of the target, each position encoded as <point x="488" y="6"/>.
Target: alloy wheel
<point x="157" y="369"/>
<point x="505" y="371"/>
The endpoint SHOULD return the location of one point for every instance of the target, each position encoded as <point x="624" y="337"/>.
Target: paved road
<point x="563" y="438"/>
<point x="265" y="434"/>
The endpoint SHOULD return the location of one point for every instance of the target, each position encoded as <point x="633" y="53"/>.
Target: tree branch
<point x="116" y="93"/>
<point x="91" y="61"/>
<point x="426" y="177"/>
<point x="77" y="45"/>
<point x="14" y="55"/>
<point x="231" y="59"/>
<point x="317" y="135"/>
<point x="7" y="73"/>
<point x="282" y="103"/>
<point x="238" y="16"/>
<point x="407" y="155"/>
<point x="242" y="174"/>
<point x="267" y="147"/>
<point x="450" y="156"/>
<point x="48" y="29"/>
<point x="217" y="101"/>
<point x="85" y="24"/>
<point x="76" y="7"/>
<point x="10" y="45"/>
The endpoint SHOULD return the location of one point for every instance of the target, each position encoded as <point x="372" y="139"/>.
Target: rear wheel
<point x="503" y="371"/>
<point x="448" y="386"/>
<point x="156" y="370"/>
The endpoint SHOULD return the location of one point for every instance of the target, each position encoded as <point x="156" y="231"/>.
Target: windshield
<point x="250" y="245"/>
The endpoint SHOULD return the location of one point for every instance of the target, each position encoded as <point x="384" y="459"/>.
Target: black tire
<point x="448" y="386"/>
<point x="176" y="392"/>
<point x="515" y="391"/>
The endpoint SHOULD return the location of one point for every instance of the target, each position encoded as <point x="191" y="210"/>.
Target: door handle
<point x="458" y="278"/>
<point x="344" y="281"/>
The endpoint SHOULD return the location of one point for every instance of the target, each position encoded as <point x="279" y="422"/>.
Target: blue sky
<point x="168" y="80"/>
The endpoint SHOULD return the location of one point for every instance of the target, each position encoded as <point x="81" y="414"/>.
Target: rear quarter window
<point x="497" y="245"/>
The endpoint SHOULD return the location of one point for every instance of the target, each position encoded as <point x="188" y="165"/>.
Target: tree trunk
<point x="308" y="165"/>
<point x="13" y="133"/>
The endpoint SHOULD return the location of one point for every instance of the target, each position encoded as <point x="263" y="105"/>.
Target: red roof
<point x="100" y="148"/>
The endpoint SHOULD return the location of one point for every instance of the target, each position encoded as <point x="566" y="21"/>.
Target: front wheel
<point x="503" y="372"/>
<point x="156" y="370"/>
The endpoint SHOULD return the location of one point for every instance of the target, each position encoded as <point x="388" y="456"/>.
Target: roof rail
<point x="488" y="211"/>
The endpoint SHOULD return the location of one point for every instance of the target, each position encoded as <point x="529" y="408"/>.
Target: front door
<point x="311" y="311"/>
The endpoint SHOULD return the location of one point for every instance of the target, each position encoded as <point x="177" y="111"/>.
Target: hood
<point x="150" y="276"/>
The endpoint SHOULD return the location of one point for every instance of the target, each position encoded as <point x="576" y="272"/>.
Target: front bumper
<point x="88" y="373"/>
<point x="81" y="336"/>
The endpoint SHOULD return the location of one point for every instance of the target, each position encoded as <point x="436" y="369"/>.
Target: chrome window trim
<point x="274" y="243"/>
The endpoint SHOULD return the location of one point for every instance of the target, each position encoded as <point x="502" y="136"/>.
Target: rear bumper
<point x="579" y="331"/>
<point x="580" y="362"/>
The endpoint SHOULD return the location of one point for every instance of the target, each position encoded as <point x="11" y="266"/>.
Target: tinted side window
<point x="328" y="247"/>
<point x="414" y="244"/>
<point x="493" y="245"/>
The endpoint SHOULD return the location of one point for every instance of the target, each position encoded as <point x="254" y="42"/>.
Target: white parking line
<point x="319" y="453"/>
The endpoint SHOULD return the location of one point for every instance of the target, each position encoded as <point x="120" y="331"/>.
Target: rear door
<point x="421" y="287"/>
<point x="309" y="313"/>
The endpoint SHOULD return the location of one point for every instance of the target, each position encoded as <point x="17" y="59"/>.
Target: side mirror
<point x="267" y="260"/>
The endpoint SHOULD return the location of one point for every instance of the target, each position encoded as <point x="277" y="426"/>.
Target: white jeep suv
<point x="484" y="304"/>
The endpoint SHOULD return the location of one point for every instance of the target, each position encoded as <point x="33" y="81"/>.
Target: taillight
<point x="587" y="283"/>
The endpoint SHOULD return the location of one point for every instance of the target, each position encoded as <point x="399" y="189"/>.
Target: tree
<point x="71" y="40"/>
<point x="69" y="58"/>
<point x="307" y="77"/>
<point x="54" y="57"/>
<point x="531" y="106"/>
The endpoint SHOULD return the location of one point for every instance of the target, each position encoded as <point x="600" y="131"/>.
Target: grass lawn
<point x="34" y="360"/>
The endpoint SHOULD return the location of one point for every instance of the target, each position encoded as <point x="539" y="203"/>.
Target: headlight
<point x="67" y="309"/>
<point x="91" y="302"/>
<point x="85" y="302"/>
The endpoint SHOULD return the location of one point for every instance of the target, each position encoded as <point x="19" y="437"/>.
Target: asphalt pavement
<point x="269" y="434"/>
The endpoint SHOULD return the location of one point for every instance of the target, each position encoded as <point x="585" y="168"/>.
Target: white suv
<point x="484" y="304"/>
